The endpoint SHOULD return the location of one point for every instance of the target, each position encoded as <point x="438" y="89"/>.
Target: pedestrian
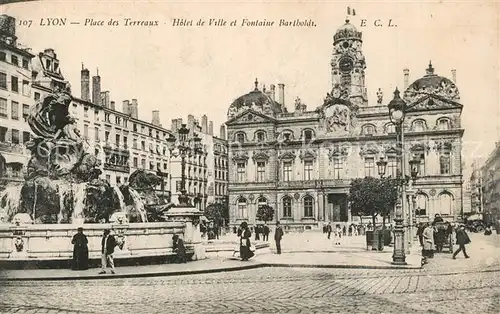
<point x="257" y="232"/>
<point x="437" y="218"/>
<point x="462" y="239"/>
<point x="179" y="248"/>
<point x="108" y="244"/>
<point x="278" y="235"/>
<point x="344" y="230"/>
<point x="266" y="233"/>
<point x="428" y="239"/>
<point x="329" y="230"/>
<point x="337" y="235"/>
<point x="245" y="244"/>
<point x="80" y="251"/>
<point x="487" y="230"/>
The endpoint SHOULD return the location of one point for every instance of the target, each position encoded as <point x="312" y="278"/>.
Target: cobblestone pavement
<point x="267" y="290"/>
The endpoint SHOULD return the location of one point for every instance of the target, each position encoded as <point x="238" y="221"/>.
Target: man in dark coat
<point x="266" y="232"/>
<point x="278" y="235"/>
<point x="80" y="251"/>
<point x="108" y="244"/>
<point x="462" y="240"/>
<point x="329" y="230"/>
<point x="179" y="248"/>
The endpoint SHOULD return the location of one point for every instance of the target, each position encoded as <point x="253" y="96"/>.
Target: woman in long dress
<point x="80" y="251"/>
<point x="245" y="252"/>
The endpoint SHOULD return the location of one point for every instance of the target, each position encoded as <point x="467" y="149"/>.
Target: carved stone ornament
<point x="260" y="155"/>
<point x="432" y="192"/>
<point x="368" y="150"/>
<point x="19" y="244"/>
<point x="289" y="155"/>
<point x="307" y="154"/>
<point x="337" y="151"/>
<point x="251" y="197"/>
<point x="380" y="96"/>
<point x="240" y="156"/>
<point x="296" y="196"/>
<point x="444" y="145"/>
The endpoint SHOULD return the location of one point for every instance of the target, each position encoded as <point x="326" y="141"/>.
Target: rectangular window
<point x="337" y="168"/>
<point x="14" y="110"/>
<point x="118" y="180"/>
<point x="421" y="156"/>
<point x="308" y="170"/>
<point x="392" y="166"/>
<point x="3" y="108"/>
<point x="135" y="127"/>
<point x="106" y="136"/>
<point x="14" y="84"/>
<point x="261" y="171"/>
<point x="125" y="140"/>
<point x="96" y="133"/>
<point x="37" y="96"/>
<point x="108" y="178"/>
<point x="3" y="134"/>
<point x="369" y="167"/>
<point x="287" y="171"/>
<point x="445" y="163"/>
<point x="3" y="56"/>
<point x="117" y="140"/>
<point x="26" y="137"/>
<point x="26" y="88"/>
<point x="85" y="131"/>
<point x="134" y="143"/>
<point x="15" y="136"/>
<point x="143" y="145"/>
<point x="143" y="163"/>
<point x="86" y="112"/>
<point x="14" y="60"/>
<point x="26" y="63"/>
<point x="26" y="112"/>
<point x="241" y="172"/>
<point x="287" y="207"/>
<point x="135" y="162"/>
<point x="3" y="80"/>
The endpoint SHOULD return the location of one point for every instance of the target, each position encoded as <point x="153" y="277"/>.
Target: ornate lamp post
<point x="381" y="165"/>
<point x="184" y="147"/>
<point x="397" y="108"/>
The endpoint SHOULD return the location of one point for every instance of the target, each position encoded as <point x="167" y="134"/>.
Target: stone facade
<point x="301" y="162"/>
<point x="490" y="187"/>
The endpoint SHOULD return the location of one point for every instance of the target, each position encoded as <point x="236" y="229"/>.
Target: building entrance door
<point x="337" y="208"/>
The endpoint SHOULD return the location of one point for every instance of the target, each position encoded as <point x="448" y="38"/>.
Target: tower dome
<point x="346" y="32"/>
<point x="432" y="84"/>
<point x="256" y="100"/>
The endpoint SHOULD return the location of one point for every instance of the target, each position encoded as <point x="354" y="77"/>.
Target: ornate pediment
<point x="307" y="154"/>
<point x="337" y="151"/>
<point x="430" y="102"/>
<point x="370" y="149"/>
<point x="289" y="155"/>
<point x="249" y="116"/>
<point x="240" y="157"/>
<point x="444" y="145"/>
<point x="260" y="155"/>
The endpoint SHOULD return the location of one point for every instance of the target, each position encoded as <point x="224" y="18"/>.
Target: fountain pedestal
<point x="192" y="235"/>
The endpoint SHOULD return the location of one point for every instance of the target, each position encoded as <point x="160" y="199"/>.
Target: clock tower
<point x="348" y="65"/>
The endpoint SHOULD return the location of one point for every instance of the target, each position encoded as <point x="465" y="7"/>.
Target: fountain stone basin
<point x="51" y="242"/>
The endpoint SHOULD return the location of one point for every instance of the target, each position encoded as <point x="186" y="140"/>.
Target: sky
<point x="201" y="70"/>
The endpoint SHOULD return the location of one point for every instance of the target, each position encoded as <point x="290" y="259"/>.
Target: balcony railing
<point x="114" y="167"/>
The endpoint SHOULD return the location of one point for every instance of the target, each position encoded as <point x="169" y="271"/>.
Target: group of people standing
<point x="245" y="247"/>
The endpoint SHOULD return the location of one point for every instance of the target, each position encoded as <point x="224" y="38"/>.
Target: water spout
<point x="121" y="199"/>
<point x="79" y="191"/>
<point x="9" y="201"/>
<point x="139" y="204"/>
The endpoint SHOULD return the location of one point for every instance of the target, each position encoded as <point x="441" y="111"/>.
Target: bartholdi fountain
<point x="62" y="191"/>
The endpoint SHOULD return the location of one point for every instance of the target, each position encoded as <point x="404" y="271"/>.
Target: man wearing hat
<point x="462" y="240"/>
<point x="108" y="244"/>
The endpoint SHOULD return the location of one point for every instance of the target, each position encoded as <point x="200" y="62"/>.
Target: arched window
<point x="421" y="205"/>
<point x="287" y="206"/>
<point x="308" y="206"/>
<point x="368" y="129"/>
<point x="308" y="135"/>
<point x="261" y="202"/>
<point x="390" y="128"/>
<point x="240" y="137"/>
<point x="260" y="136"/>
<point x="443" y="124"/>
<point x="445" y="204"/>
<point x="419" y="126"/>
<point x="242" y="208"/>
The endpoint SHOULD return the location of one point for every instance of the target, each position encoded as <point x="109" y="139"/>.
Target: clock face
<point x="346" y="64"/>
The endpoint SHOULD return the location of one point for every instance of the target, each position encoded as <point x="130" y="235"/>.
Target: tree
<point x="265" y="213"/>
<point x="372" y="196"/>
<point x="214" y="212"/>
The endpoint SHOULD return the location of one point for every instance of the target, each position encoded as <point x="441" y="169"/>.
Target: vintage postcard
<point x="249" y="156"/>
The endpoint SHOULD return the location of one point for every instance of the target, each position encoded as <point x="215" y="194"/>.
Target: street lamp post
<point x="183" y="146"/>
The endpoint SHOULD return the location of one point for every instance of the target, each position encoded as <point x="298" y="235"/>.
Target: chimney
<point x="454" y="75"/>
<point x="281" y="95"/>
<point x="222" y="132"/>
<point x="273" y="92"/>
<point x="211" y="128"/>
<point x="96" y="89"/>
<point x="134" y="109"/>
<point x="174" y="126"/>
<point x="179" y="123"/>
<point x="406" y="73"/>
<point x="112" y="105"/>
<point x="204" y="127"/>
<point x="156" y="118"/>
<point x="105" y="99"/>
<point x="126" y="107"/>
<point x="190" y="124"/>
<point x="85" y="84"/>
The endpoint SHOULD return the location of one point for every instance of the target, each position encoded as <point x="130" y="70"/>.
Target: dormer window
<point x="369" y="130"/>
<point x="47" y="64"/>
<point x="56" y="67"/>
<point x="240" y="138"/>
<point x="390" y="128"/>
<point x="287" y="136"/>
<point x="443" y="124"/>
<point x="419" y="126"/>
<point x="261" y="136"/>
<point x="308" y="135"/>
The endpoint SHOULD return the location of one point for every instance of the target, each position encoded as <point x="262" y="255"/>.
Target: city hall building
<point x="301" y="162"/>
